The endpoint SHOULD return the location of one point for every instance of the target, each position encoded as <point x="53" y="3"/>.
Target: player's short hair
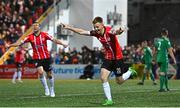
<point x="36" y="22"/>
<point x="164" y="31"/>
<point x="97" y="20"/>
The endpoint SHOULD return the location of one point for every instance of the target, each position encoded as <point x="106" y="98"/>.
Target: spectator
<point x="57" y="59"/>
<point x="126" y="53"/>
<point x="88" y="72"/>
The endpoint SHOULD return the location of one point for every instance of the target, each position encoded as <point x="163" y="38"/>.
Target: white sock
<point x="51" y="83"/>
<point x="14" y="76"/>
<point x="126" y="75"/>
<point x="19" y="74"/>
<point x="43" y="81"/>
<point x="107" y="90"/>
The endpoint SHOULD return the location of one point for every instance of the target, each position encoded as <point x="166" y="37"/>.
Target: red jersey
<point x="110" y="43"/>
<point x="39" y="45"/>
<point x="20" y="55"/>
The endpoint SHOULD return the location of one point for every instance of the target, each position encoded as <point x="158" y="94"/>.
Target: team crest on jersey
<point x="108" y="39"/>
<point x="43" y="39"/>
<point x="36" y="64"/>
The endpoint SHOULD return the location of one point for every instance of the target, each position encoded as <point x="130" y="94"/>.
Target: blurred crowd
<point x="16" y="16"/>
<point x="94" y="56"/>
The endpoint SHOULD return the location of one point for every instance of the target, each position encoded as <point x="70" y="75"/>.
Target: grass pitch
<point x="83" y="93"/>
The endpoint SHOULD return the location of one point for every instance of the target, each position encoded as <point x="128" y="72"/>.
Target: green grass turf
<point x="83" y="93"/>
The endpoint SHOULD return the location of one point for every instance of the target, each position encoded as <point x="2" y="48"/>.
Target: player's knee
<point x="104" y="79"/>
<point x="119" y="81"/>
<point x="41" y="75"/>
<point x="18" y="69"/>
<point x="49" y="75"/>
<point x="40" y="70"/>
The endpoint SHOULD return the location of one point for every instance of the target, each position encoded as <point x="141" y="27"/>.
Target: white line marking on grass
<point x="69" y="95"/>
<point x="86" y="94"/>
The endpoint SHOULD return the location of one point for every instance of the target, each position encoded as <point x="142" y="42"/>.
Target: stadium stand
<point x="16" y="16"/>
<point x="153" y="17"/>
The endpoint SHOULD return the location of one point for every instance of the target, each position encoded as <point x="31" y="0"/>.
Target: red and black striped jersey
<point x="39" y="45"/>
<point x="110" y="43"/>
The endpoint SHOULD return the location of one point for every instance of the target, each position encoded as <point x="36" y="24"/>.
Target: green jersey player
<point x="147" y="59"/>
<point x="163" y="47"/>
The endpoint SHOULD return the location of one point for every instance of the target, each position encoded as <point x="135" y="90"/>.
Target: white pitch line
<point x="80" y="94"/>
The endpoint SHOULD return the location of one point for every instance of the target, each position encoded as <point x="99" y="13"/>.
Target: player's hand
<point x="65" y="45"/>
<point x="7" y="46"/>
<point x="119" y="31"/>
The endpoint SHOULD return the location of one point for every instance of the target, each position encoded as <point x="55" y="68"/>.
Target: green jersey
<point x="162" y="46"/>
<point x="147" y="57"/>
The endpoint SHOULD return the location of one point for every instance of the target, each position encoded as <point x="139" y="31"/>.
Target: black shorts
<point x="18" y="65"/>
<point x="45" y="63"/>
<point x="116" y="66"/>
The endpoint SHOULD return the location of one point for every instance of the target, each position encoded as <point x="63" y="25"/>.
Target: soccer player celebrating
<point x="113" y="54"/>
<point x="41" y="55"/>
<point x="19" y="60"/>
<point x="147" y="59"/>
<point x="163" y="46"/>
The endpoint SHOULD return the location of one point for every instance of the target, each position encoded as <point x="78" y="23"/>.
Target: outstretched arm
<point x="118" y="31"/>
<point x="170" y="50"/>
<point x="13" y="45"/>
<point x="57" y="41"/>
<point x="76" y="30"/>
